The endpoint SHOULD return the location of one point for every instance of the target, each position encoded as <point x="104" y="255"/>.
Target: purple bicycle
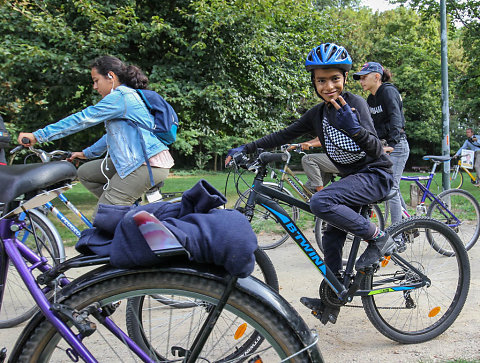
<point x="179" y="311"/>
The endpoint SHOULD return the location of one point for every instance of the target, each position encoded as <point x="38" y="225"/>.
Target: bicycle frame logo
<point x="300" y="239"/>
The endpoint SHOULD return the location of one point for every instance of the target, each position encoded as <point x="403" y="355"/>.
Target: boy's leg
<point x="319" y="169"/>
<point x="334" y="205"/>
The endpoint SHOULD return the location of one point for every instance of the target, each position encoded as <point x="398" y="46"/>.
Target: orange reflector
<point x="434" y="312"/>
<point x="240" y="331"/>
<point x="386" y="261"/>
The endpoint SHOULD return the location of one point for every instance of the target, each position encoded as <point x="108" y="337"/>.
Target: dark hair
<point x="387" y="75"/>
<point x="130" y="75"/>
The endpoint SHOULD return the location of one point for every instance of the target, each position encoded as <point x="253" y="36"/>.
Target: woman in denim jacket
<point x="122" y="176"/>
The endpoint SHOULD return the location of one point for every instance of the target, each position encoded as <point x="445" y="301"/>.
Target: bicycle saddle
<point x="441" y="158"/>
<point x="21" y="179"/>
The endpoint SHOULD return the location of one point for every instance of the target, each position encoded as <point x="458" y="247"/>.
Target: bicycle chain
<point x="384" y="308"/>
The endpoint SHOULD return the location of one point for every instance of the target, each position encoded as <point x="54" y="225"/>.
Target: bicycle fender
<point x="250" y="285"/>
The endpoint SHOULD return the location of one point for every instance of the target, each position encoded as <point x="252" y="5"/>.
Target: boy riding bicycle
<point x="344" y="126"/>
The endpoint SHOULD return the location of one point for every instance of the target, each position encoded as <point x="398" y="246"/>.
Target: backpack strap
<point x="144" y="149"/>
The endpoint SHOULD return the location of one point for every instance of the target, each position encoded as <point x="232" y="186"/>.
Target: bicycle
<point x="412" y="296"/>
<point x="264" y="221"/>
<point x="15" y="313"/>
<point x="457" y="208"/>
<point x="207" y="313"/>
<point x="456" y="175"/>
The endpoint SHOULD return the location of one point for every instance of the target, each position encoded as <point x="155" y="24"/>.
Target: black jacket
<point x="312" y="123"/>
<point x="386" y="107"/>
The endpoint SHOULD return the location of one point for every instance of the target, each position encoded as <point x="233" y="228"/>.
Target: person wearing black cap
<point x="386" y="108"/>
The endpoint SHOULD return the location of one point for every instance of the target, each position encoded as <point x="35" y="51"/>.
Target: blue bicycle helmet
<point x="328" y="55"/>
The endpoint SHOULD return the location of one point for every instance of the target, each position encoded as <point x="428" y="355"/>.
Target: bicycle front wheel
<point x="167" y="331"/>
<point x="270" y="233"/>
<point x="462" y="215"/>
<point x="417" y="315"/>
<point x="456" y="179"/>
<point x="375" y="216"/>
<point x="18" y="305"/>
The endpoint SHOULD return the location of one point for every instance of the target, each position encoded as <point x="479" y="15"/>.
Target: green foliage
<point x="463" y="57"/>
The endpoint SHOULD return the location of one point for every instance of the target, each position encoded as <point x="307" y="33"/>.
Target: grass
<point x="86" y="202"/>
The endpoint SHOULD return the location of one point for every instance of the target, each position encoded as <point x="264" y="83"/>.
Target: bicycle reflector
<point x="386" y="261"/>
<point x="240" y="331"/>
<point x="434" y="312"/>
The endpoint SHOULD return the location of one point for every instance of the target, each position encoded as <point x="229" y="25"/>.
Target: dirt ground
<point x="353" y="338"/>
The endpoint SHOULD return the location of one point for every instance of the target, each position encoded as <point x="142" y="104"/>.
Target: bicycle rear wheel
<point x="421" y="314"/>
<point x="270" y="233"/>
<point x="18" y="305"/>
<point x="166" y="331"/>
<point x="465" y="208"/>
<point x="376" y="217"/>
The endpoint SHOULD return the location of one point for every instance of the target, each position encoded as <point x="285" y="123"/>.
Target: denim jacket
<point x="122" y="139"/>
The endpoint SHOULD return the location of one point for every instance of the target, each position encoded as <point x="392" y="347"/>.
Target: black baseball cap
<point x="367" y="68"/>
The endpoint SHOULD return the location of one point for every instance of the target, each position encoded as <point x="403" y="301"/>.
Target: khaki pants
<point x="118" y="191"/>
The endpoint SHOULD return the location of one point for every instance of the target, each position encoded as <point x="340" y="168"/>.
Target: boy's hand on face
<point x="346" y="119"/>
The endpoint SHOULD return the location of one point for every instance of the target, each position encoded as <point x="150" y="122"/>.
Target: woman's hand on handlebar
<point x="76" y="155"/>
<point x="24" y="136"/>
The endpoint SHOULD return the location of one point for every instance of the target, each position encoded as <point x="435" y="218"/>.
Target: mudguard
<point x="249" y="285"/>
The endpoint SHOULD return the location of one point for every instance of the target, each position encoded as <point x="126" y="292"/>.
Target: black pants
<point x="339" y="204"/>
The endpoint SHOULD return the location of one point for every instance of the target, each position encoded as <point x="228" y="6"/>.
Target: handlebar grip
<point x="25" y="140"/>
<point x="267" y="157"/>
<point x="17" y="148"/>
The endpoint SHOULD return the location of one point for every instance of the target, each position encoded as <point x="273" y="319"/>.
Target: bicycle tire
<point x="419" y="315"/>
<point x="456" y="179"/>
<point x="270" y="233"/>
<point x="376" y="216"/>
<point x="466" y="208"/>
<point x="18" y="305"/>
<point x="44" y="344"/>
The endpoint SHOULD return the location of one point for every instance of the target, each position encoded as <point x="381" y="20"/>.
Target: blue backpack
<point x="165" y="119"/>
<point x="165" y="122"/>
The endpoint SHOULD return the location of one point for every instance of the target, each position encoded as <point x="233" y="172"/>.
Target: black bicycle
<point x="412" y="296"/>
<point x="264" y="222"/>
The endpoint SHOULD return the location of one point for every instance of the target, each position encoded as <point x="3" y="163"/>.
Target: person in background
<point x="386" y="107"/>
<point x="122" y="176"/>
<point x="472" y="143"/>
<point x="318" y="168"/>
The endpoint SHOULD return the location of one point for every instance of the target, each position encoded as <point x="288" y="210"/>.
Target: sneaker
<point x="324" y="313"/>
<point x="376" y="249"/>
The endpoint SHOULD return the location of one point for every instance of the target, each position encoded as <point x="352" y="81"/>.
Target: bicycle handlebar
<point x="44" y="156"/>
<point x="268" y="157"/>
